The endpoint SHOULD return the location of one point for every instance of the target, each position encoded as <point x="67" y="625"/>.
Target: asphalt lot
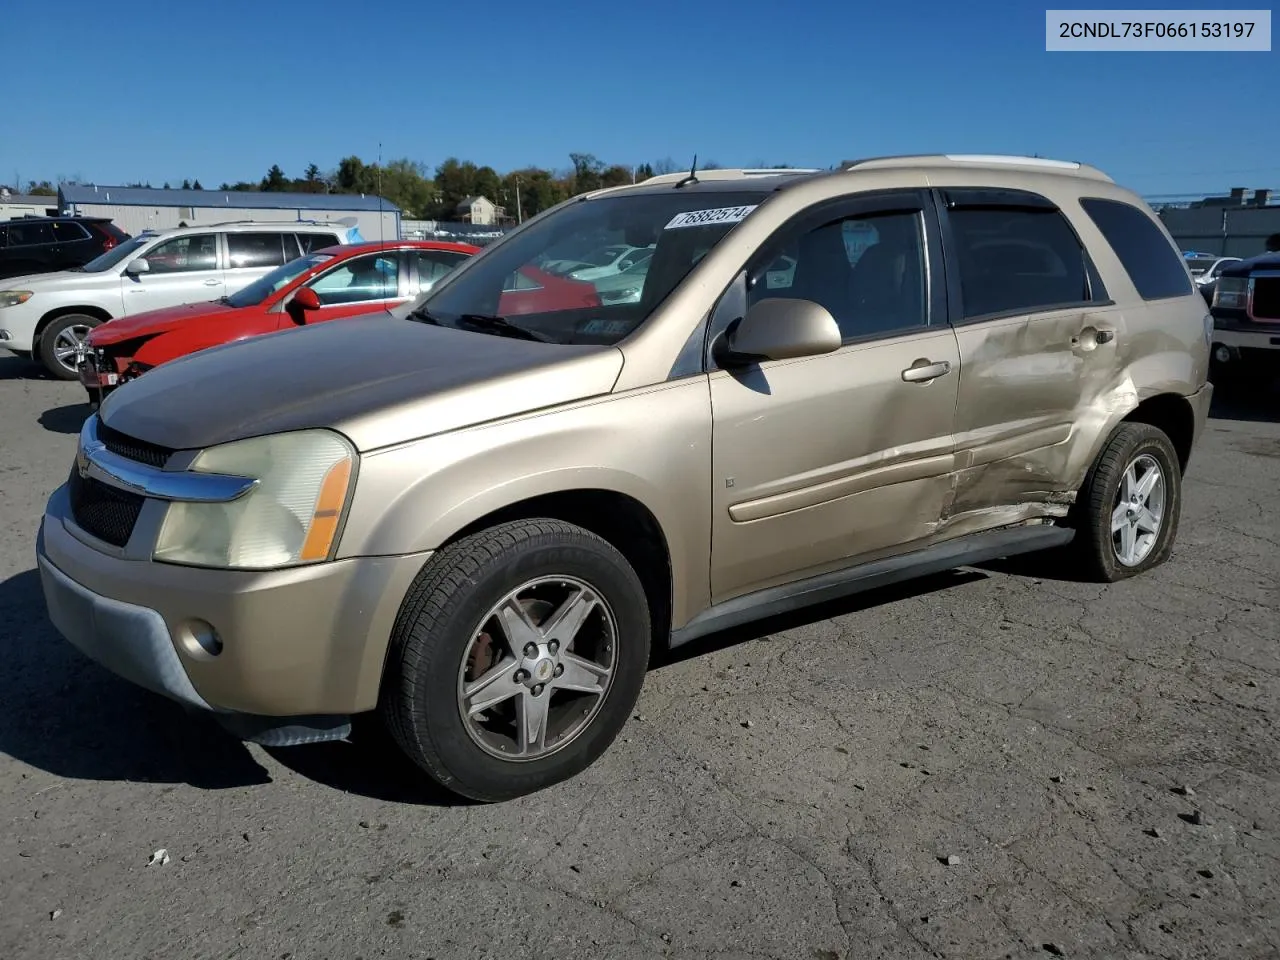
<point x="790" y="791"/>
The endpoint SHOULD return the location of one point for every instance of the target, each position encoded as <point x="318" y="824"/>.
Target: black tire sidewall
<point x="439" y="725"/>
<point x="45" y="347"/>
<point x="1130" y="442"/>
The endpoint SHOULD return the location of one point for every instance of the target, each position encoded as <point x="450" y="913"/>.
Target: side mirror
<point x="137" y="266"/>
<point x="779" y="329"/>
<point x="625" y="265"/>
<point x="301" y="302"/>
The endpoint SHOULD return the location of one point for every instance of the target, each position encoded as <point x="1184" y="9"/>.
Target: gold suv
<point x="479" y="514"/>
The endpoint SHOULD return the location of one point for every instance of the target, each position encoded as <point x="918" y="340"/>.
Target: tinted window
<point x="29" y="234"/>
<point x="255" y="249"/>
<point x="1017" y="260"/>
<point x="197" y="251"/>
<point x="65" y="231"/>
<point x="434" y="264"/>
<point x="4" y="236"/>
<point x="869" y="271"/>
<point x="1150" y="260"/>
<point x="357" y="280"/>
<point x="316" y="241"/>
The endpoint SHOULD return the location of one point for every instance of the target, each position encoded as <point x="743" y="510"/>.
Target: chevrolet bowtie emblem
<point x="82" y="462"/>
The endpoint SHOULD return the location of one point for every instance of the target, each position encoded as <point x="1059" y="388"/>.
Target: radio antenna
<point x="693" y="174"/>
<point x="381" y="220"/>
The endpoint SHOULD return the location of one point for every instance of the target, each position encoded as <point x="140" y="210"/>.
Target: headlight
<point x="11" y="298"/>
<point x="1231" y="292"/>
<point x="290" y="516"/>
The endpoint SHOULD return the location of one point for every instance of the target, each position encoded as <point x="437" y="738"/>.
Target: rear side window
<point x="1150" y="260"/>
<point x="1018" y="259"/>
<point x="256" y="249"/>
<point x="64" y="231"/>
<point x="310" y="242"/>
<point x="30" y="234"/>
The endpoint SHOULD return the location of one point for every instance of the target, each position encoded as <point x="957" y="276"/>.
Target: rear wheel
<point x="58" y="343"/>
<point x="1129" y="507"/>
<point x="517" y="658"/>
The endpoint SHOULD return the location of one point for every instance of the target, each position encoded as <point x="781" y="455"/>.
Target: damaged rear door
<point x="1037" y="335"/>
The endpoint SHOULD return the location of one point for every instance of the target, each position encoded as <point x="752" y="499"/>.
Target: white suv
<point x="48" y="315"/>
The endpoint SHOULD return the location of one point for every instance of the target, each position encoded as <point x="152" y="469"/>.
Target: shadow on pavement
<point x="68" y="419"/>
<point x="369" y="765"/>
<point x="62" y="713"/>
<point x="14" y="367"/>
<point x="1254" y="401"/>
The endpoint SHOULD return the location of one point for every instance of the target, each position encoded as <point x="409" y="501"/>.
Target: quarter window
<point x="868" y="271"/>
<point x="358" y="280"/>
<point x="64" y="231"/>
<point x="256" y="249"/>
<point x="1148" y="257"/>
<point x="1019" y="260"/>
<point x="184" y="254"/>
<point x="310" y="242"/>
<point x="434" y="264"/>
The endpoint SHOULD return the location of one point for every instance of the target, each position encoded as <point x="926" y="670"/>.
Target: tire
<point x="57" y="336"/>
<point x="1099" y="551"/>
<point x="445" y="622"/>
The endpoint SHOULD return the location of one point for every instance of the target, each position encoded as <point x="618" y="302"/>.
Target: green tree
<point x="312" y="174"/>
<point x="42" y="188"/>
<point x="587" y="172"/>
<point x="186" y="184"/>
<point x="196" y="186"/>
<point x="616" y="176"/>
<point x="275" y="180"/>
<point x="643" y="172"/>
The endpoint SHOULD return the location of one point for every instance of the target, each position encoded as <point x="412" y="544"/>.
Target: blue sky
<point x="111" y="93"/>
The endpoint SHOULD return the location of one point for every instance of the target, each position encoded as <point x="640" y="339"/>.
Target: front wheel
<point x="517" y="657"/>
<point x="1129" y="507"/>
<point x="59" y="342"/>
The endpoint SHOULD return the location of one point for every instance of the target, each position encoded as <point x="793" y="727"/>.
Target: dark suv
<point x="1246" y="317"/>
<point x="44" y="244"/>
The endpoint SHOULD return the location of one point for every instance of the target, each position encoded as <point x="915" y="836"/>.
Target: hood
<point x="1264" y="261"/>
<point x="38" y="281"/>
<point x="153" y="322"/>
<point x="380" y="381"/>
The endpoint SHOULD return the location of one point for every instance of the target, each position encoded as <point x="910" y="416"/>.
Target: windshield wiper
<point x="502" y="326"/>
<point x="499" y="325"/>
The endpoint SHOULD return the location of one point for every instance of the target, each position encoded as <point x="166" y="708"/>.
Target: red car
<point x="336" y="282"/>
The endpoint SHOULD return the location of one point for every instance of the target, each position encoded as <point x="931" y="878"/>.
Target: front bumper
<point x="1239" y="340"/>
<point x="301" y="649"/>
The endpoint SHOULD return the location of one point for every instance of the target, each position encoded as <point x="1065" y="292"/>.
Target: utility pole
<point x="519" y="213"/>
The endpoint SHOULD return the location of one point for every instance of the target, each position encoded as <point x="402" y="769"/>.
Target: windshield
<point x="266" y="285"/>
<point x="517" y="280"/>
<point x="116" y="254"/>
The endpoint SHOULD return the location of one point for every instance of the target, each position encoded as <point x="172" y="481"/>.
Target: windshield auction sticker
<point x="703" y="218"/>
<point x="1093" y="31"/>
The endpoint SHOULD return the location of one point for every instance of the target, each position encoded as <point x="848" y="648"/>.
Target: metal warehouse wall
<point x="1226" y="231"/>
<point x="135" y="219"/>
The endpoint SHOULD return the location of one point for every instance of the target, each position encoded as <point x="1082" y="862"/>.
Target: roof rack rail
<point x="978" y="159"/>
<point x="729" y="173"/>
<point x="271" y="223"/>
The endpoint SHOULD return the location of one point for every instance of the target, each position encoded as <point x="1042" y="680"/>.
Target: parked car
<point x="604" y="262"/>
<point x="1205" y="269"/>
<point x="332" y="283"/>
<point x="480" y="525"/>
<point x="624" y="286"/>
<point x="48" y="315"/>
<point x="1246" y="320"/>
<point x="31" y="245"/>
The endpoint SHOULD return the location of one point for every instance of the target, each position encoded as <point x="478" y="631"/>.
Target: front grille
<point x="122" y="445"/>
<point x="105" y="512"/>
<point x="1266" y="299"/>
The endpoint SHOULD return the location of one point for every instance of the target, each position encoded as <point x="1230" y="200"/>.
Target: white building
<point x="135" y="209"/>
<point x="479" y="210"/>
<point x="22" y="205"/>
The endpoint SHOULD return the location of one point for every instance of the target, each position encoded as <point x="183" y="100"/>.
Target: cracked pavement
<point x="1036" y="730"/>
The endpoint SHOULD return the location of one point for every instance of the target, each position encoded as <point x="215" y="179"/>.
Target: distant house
<point x="480" y="210"/>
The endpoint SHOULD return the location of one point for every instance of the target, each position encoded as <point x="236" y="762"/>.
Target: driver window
<point x="868" y="271"/>
<point x="359" y="280"/>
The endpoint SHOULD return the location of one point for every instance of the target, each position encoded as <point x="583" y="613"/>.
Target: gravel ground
<point x="991" y="763"/>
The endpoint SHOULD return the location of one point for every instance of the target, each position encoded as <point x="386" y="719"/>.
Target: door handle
<point x="922" y="371"/>
<point x="1105" y="336"/>
<point x="213" y="283"/>
<point x="1091" y="337"/>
